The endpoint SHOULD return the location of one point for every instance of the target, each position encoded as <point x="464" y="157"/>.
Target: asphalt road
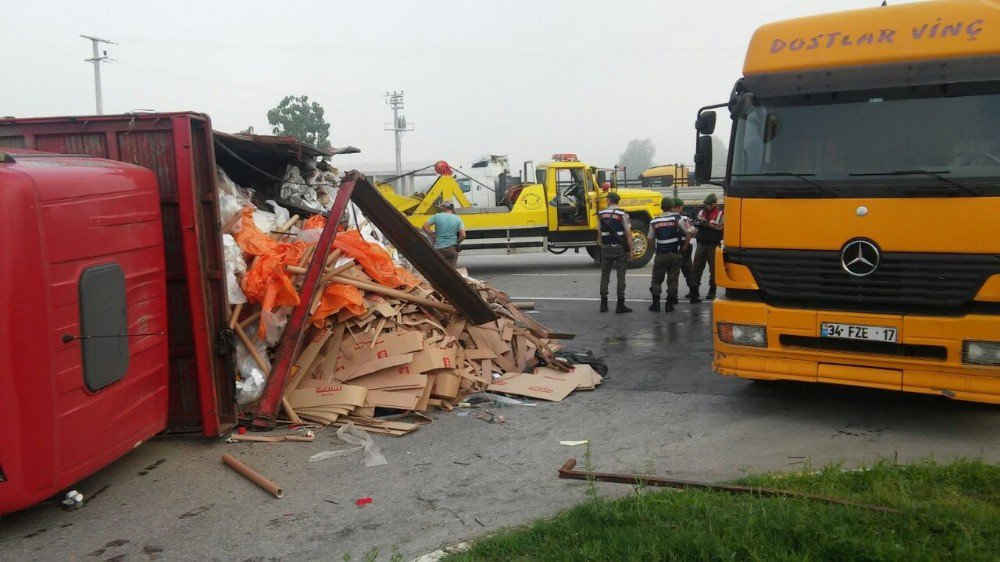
<point x="661" y="411"/>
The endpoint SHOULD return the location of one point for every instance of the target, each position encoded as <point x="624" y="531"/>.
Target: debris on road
<point x="253" y="476"/>
<point x="375" y="335"/>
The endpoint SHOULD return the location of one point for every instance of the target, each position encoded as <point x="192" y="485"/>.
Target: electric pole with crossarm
<point x="97" y="59"/>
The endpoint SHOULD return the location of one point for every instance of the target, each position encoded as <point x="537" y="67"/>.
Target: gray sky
<point x="521" y="78"/>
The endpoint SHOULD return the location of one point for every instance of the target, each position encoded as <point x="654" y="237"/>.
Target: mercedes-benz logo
<point x="859" y="258"/>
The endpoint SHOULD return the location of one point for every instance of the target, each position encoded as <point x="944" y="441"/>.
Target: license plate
<point x="858" y="332"/>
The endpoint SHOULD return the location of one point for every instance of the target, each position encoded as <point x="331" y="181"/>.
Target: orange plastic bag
<point x="335" y="298"/>
<point x="374" y="260"/>
<point x="407" y="279"/>
<point x="266" y="281"/>
<point x="251" y="239"/>
<point x="314" y="222"/>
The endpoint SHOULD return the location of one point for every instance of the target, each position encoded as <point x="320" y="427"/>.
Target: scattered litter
<point x="357" y="436"/>
<point x="303" y="437"/>
<point x="254" y="476"/>
<point x="500" y="399"/>
<point x="363" y="501"/>
<point x="322" y="456"/>
<point x="574" y="443"/>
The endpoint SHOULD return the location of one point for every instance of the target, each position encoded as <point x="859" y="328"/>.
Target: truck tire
<point x="642" y="248"/>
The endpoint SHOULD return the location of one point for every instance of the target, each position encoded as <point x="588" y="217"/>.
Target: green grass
<point x="949" y="512"/>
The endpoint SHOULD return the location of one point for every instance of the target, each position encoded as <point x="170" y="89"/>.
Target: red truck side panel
<point x="178" y="149"/>
<point x="59" y="217"/>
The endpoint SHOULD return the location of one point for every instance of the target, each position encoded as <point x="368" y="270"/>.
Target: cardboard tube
<point x="253" y="476"/>
<point x="336" y="271"/>
<point x="301" y="269"/>
<point x="292" y="416"/>
<point x="234" y="319"/>
<point x="249" y="319"/>
<point x="252" y="350"/>
<point x="332" y="258"/>
<point x="283" y="229"/>
<point x="273" y="438"/>
<point x="395" y="293"/>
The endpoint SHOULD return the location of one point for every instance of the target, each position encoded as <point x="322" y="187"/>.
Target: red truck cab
<point x="83" y="319"/>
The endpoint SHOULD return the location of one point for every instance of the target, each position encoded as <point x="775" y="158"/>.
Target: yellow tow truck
<point x="555" y="214"/>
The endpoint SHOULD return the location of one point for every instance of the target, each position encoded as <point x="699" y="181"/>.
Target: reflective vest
<point x="612" y="227"/>
<point x="668" y="233"/>
<point x="709" y="236"/>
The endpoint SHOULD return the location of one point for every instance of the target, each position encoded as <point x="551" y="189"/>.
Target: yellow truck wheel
<point x="642" y="247"/>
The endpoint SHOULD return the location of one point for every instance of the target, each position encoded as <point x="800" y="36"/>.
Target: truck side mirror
<point x="705" y="123"/>
<point x="703" y="159"/>
<point x="602" y="176"/>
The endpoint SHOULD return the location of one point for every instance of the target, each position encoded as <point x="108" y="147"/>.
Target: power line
<point x="411" y="52"/>
<point x="97" y="59"/>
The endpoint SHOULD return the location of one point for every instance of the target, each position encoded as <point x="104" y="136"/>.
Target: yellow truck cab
<point x="555" y="214"/>
<point x="862" y="242"/>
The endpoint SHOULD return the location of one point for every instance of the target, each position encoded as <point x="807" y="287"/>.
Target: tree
<point x="298" y="118"/>
<point x="638" y="157"/>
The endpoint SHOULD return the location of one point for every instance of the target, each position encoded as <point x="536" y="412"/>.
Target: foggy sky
<point x="523" y="78"/>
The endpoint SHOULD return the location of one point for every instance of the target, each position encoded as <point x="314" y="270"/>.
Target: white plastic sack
<point x="310" y="236"/>
<point x="235" y="265"/>
<point x="296" y="190"/>
<point x="250" y="388"/>
<point x="353" y="435"/>
<point x="274" y="323"/>
<point x="265" y="221"/>
<point x="253" y="378"/>
<point x="281" y="214"/>
<point x="232" y="199"/>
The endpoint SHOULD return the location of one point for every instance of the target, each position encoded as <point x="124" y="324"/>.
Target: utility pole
<point x="399" y="126"/>
<point x="97" y="59"/>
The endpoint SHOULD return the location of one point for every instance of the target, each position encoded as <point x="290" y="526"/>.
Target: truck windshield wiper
<point x="929" y="173"/>
<point x="801" y="176"/>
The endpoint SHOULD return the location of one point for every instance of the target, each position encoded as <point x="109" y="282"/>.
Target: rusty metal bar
<point x="567" y="472"/>
<point x="291" y="338"/>
<point x="411" y="243"/>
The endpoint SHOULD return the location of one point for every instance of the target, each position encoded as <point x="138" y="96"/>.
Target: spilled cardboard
<point x="531" y="385"/>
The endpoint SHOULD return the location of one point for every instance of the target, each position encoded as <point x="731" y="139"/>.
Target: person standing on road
<point x="671" y="233"/>
<point x="448" y="233"/>
<point x="709" y="223"/>
<point x="614" y="234"/>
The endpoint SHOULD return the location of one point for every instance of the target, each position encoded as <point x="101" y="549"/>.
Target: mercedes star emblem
<point x="862" y="211"/>
<point x="859" y="258"/>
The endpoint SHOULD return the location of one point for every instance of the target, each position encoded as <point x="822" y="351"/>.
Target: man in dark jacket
<point x="709" y="223"/>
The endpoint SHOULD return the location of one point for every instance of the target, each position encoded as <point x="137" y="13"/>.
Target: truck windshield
<point x="904" y="142"/>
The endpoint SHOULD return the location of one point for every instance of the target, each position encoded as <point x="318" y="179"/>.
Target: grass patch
<point x="949" y="512"/>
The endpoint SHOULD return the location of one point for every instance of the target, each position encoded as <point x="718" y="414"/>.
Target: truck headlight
<point x="981" y="352"/>
<point x="743" y="334"/>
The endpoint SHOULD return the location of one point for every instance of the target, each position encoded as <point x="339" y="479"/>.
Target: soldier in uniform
<point x="614" y="234"/>
<point x="710" y="225"/>
<point x="671" y="234"/>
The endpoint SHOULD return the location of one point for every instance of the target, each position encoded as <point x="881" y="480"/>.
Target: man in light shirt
<point x="448" y="232"/>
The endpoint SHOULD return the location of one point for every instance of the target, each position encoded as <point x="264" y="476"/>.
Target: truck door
<point x="573" y="204"/>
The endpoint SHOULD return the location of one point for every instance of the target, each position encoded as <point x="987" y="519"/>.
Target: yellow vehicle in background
<point x="862" y="237"/>
<point x="665" y="176"/>
<point x="556" y="214"/>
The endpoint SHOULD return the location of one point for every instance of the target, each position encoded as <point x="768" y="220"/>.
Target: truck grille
<point x="903" y="283"/>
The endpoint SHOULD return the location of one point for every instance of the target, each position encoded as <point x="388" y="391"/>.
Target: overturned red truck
<point x="114" y="302"/>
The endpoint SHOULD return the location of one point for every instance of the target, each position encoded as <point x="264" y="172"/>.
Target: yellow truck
<point x="556" y="214"/>
<point x="862" y="236"/>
